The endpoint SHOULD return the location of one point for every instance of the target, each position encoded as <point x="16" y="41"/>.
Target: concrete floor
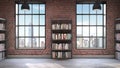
<point x="52" y="63"/>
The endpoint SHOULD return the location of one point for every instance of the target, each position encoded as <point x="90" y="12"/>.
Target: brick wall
<point x="58" y="9"/>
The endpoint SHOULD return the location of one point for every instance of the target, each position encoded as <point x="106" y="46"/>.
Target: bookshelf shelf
<point x="117" y="39"/>
<point x="61" y="39"/>
<point x="2" y="38"/>
<point x="61" y="31"/>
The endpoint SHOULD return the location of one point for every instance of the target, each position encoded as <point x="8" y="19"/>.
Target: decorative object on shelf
<point x="97" y="5"/>
<point x="2" y="38"/>
<point x="117" y="38"/>
<point x="61" y="36"/>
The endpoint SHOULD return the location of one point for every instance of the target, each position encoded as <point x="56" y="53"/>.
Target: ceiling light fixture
<point x="25" y="6"/>
<point x="97" y="6"/>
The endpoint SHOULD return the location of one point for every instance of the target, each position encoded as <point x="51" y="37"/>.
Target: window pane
<point x="21" y="19"/>
<point x="35" y="8"/>
<point x="42" y="43"/>
<point x="79" y="19"/>
<point x="42" y="19"/>
<point x="17" y="19"/>
<point x="91" y="9"/>
<point x="34" y="42"/>
<point x="16" y="8"/>
<point x="92" y="42"/>
<point x="79" y="31"/>
<point x="35" y="20"/>
<point x="35" y="31"/>
<point x="104" y="19"/>
<point x="99" y="31"/>
<point x="99" y="20"/>
<point x="99" y="44"/>
<point x="17" y="32"/>
<point x="21" y="31"/>
<point x="28" y="31"/>
<point x="21" y="42"/>
<point x="42" y="31"/>
<point x="92" y="31"/>
<point x="79" y="9"/>
<point x="104" y="31"/>
<point x="85" y="8"/>
<point x="104" y="42"/>
<point x="42" y="9"/>
<point x="28" y="42"/>
<point x="95" y="42"/>
<point x="85" y="31"/>
<point x="85" y="20"/>
<point x="104" y="8"/>
<point x="17" y="44"/>
<point x="92" y="19"/>
<point x="85" y="42"/>
<point x="28" y="20"/>
<point x="79" y="43"/>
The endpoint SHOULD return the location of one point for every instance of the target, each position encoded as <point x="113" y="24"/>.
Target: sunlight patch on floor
<point x="44" y="65"/>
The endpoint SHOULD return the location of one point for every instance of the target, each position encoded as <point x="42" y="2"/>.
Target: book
<point x="118" y="47"/>
<point x="117" y="54"/>
<point x="117" y="36"/>
<point x="53" y="54"/>
<point x="117" y="26"/>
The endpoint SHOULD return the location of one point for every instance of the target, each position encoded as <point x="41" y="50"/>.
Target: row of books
<point x="117" y="55"/>
<point x="2" y="37"/>
<point x="118" y="46"/>
<point x="61" y="26"/>
<point x="2" y="27"/>
<point x="118" y="27"/>
<point x="61" y="46"/>
<point x="2" y="47"/>
<point x="61" y="36"/>
<point x="61" y="54"/>
<point x="2" y="55"/>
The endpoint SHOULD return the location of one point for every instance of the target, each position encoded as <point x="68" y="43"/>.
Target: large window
<point x="90" y="27"/>
<point x="30" y="27"/>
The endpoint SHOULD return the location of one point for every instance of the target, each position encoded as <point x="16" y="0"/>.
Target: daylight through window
<point x="30" y="27"/>
<point x="90" y="26"/>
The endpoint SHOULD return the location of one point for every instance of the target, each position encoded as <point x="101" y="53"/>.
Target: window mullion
<point x="89" y="26"/>
<point x="39" y="32"/>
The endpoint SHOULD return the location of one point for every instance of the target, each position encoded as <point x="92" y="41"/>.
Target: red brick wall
<point x="58" y="9"/>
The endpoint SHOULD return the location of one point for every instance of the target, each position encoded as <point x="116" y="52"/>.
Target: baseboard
<point x="28" y="56"/>
<point x="93" y="56"/>
<point x="49" y="56"/>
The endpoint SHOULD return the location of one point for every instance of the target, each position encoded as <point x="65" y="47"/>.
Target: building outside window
<point x="90" y="26"/>
<point x="30" y="27"/>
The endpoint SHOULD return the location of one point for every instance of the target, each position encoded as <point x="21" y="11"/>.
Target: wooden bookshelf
<point x="61" y="36"/>
<point x="117" y="39"/>
<point x="2" y="38"/>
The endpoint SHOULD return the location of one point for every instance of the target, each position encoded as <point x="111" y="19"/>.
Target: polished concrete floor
<point x="52" y="63"/>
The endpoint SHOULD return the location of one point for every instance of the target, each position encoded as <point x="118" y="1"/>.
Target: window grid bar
<point x="89" y="25"/>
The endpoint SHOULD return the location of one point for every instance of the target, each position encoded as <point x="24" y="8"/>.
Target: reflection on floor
<point x="53" y="63"/>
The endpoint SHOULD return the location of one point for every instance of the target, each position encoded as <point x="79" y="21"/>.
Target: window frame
<point x="104" y="25"/>
<point x="32" y="14"/>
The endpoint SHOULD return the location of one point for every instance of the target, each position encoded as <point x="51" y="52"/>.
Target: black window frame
<point x="31" y="26"/>
<point x="104" y="25"/>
